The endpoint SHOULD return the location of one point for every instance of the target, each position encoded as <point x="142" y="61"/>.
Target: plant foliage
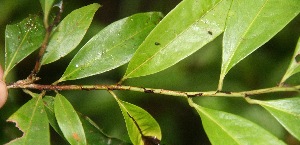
<point x="151" y="43"/>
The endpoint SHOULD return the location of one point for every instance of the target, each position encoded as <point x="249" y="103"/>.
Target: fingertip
<point x="3" y="89"/>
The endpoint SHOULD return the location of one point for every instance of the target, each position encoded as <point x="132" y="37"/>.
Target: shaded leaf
<point x="294" y="66"/>
<point x="68" y="121"/>
<point x="68" y="34"/>
<point x="111" y="47"/>
<point x="286" y="111"/>
<point x="31" y="119"/>
<point x="49" y="108"/>
<point x="229" y="129"/>
<point x="95" y="136"/>
<point x="250" y="24"/>
<point x="187" y="28"/>
<point x="46" y="6"/>
<point x="22" y="39"/>
<point x="141" y="126"/>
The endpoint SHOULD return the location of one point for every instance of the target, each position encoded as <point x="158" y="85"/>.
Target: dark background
<point x="179" y="123"/>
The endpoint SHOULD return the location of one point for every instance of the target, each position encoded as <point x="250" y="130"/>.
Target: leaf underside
<point x="32" y="120"/>
<point x="229" y="129"/>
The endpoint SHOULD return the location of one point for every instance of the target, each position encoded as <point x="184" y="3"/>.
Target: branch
<point x="44" y="45"/>
<point x="153" y="90"/>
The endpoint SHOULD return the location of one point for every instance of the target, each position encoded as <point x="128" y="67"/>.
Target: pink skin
<point x="3" y="89"/>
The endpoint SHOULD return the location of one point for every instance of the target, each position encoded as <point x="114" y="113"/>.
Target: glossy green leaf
<point x="32" y="120"/>
<point x="68" y="34"/>
<point x="229" y="129"/>
<point x="22" y="39"/>
<point x="46" y="6"/>
<point x="68" y="121"/>
<point x="286" y="111"/>
<point x="141" y="126"/>
<point x="294" y="66"/>
<point x="250" y="24"/>
<point x="111" y="47"/>
<point x="49" y="108"/>
<point x="95" y="136"/>
<point x="187" y="28"/>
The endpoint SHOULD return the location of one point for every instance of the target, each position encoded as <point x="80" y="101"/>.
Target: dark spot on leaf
<point x="157" y="43"/>
<point x="209" y="32"/>
<point x="150" y="140"/>
<point x="297" y="58"/>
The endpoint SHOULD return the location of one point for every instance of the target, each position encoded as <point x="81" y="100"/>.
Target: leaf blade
<point x="111" y="47"/>
<point x="286" y="111"/>
<point x="250" y="25"/>
<point x="187" y="28"/>
<point x="32" y="120"/>
<point x="294" y="66"/>
<point x="141" y="126"/>
<point x="46" y="6"/>
<point x="69" y="33"/>
<point x="226" y="128"/>
<point x="68" y="121"/>
<point x="22" y="39"/>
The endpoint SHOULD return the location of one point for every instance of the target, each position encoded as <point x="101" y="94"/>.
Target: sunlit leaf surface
<point x="68" y="34"/>
<point x="250" y="24"/>
<point x="22" y="39"/>
<point x="287" y="112"/>
<point x="32" y="120"/>
<point x="68" y="121"/>
<point x="111" y="47"/>
<point x="187" y="28"/>
<point x="229" y="129"/>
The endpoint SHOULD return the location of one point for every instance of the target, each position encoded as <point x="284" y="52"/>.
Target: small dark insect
<point x="157" y="43"/>
<point x="209" y="32"/>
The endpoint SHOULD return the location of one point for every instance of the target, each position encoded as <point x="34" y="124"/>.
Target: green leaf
<point x="294" y="66"/>
<point x="22" y="39"/>
<point x="141" y="126"/>
<point x="111" y="47"/>
<point x="95" y="136"/>
<point x="229" y="129"/>
<point x="187" y="28"/>
<point x="68" y="121"/>
<point x="69" y="33"/>
<point x="286" y="111"/>
<point x="49" y="108"/>
<point x="46" y="6"/>
<point x="31" y="119"/>
<point x="250" y="24"/>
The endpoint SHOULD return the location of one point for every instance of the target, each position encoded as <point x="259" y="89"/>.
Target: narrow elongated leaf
<point x="250" y="24"/>
<point x="68" y="121"/>
<point x="22" y="39"/>
<point x="49" y="108"/>
<point x="229" y="129"/>
<point x="111" y="47"/>
<point x="46" y="6"/>
<point x="69" y="33"/>
<point x="294" y="66"/>
<point x="95" y="136"/>
<point x="31" y="119"/>
<point x="187" y="28"/>
<point x="286" y="111"/>
<point x="141" y="126"/>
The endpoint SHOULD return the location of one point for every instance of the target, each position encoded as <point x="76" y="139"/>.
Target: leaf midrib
<point x="176" y="36"/>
